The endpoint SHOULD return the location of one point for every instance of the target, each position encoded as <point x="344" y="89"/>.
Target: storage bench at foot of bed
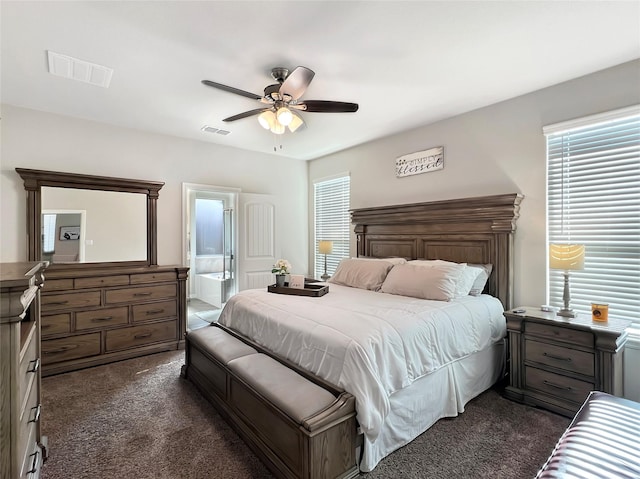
<point x="297" y="427"/>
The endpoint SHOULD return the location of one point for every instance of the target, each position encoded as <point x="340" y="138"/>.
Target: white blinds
<point x="593" y="198"/>
<point x="48" y="233"/>
<point x="332" y="221"/>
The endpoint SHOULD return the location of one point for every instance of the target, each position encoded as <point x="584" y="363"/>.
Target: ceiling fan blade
<point x="246" y="114"/>
<point x="297" y="82"/>
<point x="321" y="106"/>
<point x="231" y="89"/>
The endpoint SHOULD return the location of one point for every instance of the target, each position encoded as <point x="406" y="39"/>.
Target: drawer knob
<point x="142" y="336"/>
<point x="36" y="416"/>
<point x="155" y="311"/>
<point x="142" y="294"/>
<point x="106" y="318"/>
<point x="564" y="388"/>
<point x="35" y="367"/>
<point x="34" y="463"/>
<point x="63" y="349"/>
<point x="57" y="303"/>
<point x="559" y="358"/>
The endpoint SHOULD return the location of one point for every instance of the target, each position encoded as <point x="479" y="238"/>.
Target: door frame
<point x="227" y="194"/>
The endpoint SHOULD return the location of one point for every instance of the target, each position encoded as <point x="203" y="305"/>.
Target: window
<point x="332" y="221"/>
<point x="208" y="226"/>
<point x="593" y="198"/>
<point x="48" y="233"/>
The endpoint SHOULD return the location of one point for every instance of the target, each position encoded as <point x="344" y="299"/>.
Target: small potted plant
<point x="281" y="268"/>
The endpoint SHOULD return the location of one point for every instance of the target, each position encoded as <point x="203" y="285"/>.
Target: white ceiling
<point x="406" y="64"/>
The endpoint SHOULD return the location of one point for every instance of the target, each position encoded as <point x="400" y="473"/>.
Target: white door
<point x="257" y="238"/>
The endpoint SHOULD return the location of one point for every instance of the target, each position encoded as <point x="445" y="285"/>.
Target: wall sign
<point x="420" y="162"/>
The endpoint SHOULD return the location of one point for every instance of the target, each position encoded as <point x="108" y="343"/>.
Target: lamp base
<point x="325" y="277"/>
<point x="567" y="313"/>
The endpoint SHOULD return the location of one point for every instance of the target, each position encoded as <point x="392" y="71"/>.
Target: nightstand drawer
<point x="102" y="318"/>
<point x="556" y="385"/>
<point x="580" y="362"/>
<point x="573" y="336"/>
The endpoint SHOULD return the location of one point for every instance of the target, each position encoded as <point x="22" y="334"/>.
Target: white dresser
<point x="22" y="448"/>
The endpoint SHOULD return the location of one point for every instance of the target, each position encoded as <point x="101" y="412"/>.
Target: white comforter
<point x="370" y="344"/>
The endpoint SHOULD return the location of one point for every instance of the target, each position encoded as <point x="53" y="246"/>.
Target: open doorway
<point x="209" y="240"/>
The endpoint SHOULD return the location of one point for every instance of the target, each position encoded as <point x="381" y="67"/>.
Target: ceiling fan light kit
<point x="283" y="98"/>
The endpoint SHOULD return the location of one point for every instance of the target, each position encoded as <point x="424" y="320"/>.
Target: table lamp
<point x="325" y="247"/>
<point x="566" y="257"/>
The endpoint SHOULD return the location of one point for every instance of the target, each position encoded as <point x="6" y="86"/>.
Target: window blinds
<point x="48" y="233"/>
<point x="593" y="198"/>
<point x="332" y="221"/>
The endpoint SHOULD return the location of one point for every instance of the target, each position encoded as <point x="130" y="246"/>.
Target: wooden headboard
<point x="469" y="230"/>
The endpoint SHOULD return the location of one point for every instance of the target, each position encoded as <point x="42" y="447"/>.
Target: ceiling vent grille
<point x="74" y="69"/>
<point x="210" y="129"/>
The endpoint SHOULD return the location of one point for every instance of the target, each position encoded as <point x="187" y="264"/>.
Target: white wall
<point x="38" y="140"/>
<point x="494" y="150"/>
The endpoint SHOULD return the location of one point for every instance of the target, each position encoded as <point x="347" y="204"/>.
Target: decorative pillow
<point x="437" y="283"/>
<point x="480" y="282"/>
<point x="467" y="279"/>
<point x="390" y="260"/>
<point x="361" y="273"/>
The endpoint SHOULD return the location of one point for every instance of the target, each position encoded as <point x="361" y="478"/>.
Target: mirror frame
<point x="34" y="180"/>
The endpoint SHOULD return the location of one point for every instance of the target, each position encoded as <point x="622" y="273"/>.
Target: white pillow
<point x="467" y="279"/>
<point x="361" y="273"/>
<point x="480" y="282"/>
<point x="463" y="282"/>
<point x="437" y="283"/>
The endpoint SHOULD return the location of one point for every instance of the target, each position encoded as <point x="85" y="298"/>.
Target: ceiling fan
<point x="282" y="100"/>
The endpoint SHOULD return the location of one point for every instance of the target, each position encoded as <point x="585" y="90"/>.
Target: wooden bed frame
<point x="472" y="230"/>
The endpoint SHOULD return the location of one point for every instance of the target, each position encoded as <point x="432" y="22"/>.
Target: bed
<point x="388" y="350"/>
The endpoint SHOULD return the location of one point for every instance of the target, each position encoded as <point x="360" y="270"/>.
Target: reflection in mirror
<point x="91" y="226"/>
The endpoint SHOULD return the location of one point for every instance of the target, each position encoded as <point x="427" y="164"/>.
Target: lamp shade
<point x="566" y="256"/>
<point x="325" y="247"/>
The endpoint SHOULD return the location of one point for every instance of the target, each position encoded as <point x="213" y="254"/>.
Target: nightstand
<point x="554" y="362"/>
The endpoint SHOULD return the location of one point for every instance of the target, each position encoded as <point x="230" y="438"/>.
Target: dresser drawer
<point x="561" y="357"/>
<point x="57" y="284"/>
<point x="54" y="302"/>
<point x="32" y="460"/>
<point x="562" y="387"/>
<point x="29" y="365"/>
<point x="102" y="318"/>
<point x="145" y="293"/>
<point x="29" y="419"/>
<point x="56" y="324"/>
<point x="145" y="312"/>
<point x="573" y="336"/>
<point x="153" y="277"/>
<point x="100" y="281"/>
<point x="72" y="347"/>
<point x="141" y="335"/>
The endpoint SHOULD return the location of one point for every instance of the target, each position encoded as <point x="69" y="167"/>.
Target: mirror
<point x="73" y="220"/>
<point x="93" y="226"/>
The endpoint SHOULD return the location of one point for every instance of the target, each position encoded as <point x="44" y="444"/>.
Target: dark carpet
<point x="139" y="419"/>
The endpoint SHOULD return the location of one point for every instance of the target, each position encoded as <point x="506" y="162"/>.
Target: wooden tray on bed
<point x="313" y="290"/>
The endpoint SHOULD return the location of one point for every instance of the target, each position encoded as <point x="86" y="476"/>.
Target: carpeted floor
<point x="139" y="419"/>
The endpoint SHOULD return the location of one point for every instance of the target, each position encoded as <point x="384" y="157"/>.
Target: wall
<point x="493" y="150"/>
<point x="38" y="140"/>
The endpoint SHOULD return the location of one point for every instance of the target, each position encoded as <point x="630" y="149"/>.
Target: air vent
<point x="210" y="129"/>
<point x="74" y="69"/>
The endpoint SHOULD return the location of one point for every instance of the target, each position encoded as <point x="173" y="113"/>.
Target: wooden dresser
<point x="555" y="362"/>
<point x="97" y="316"/>
<point x="22" y="448"/>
